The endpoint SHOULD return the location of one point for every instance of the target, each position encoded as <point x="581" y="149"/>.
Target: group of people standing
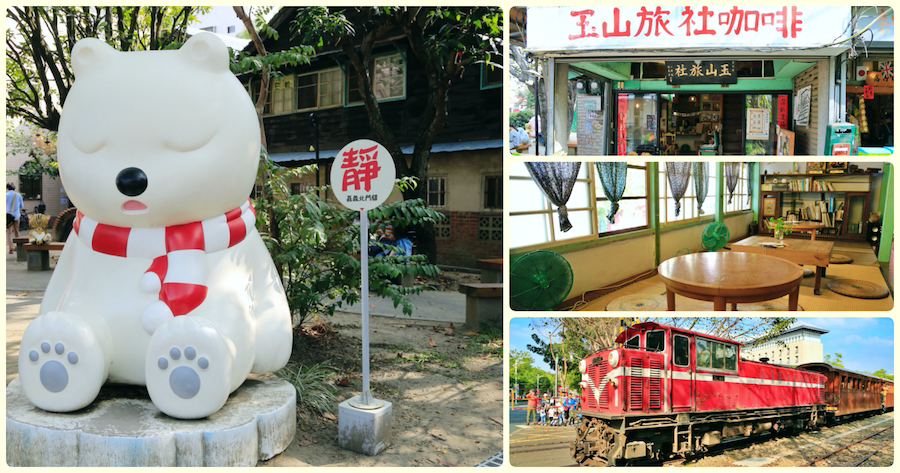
<point x="547" y="410"/>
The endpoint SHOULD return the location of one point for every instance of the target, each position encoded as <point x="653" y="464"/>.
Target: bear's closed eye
<point x="87" y="145"/>
<point x="186" y="144"/>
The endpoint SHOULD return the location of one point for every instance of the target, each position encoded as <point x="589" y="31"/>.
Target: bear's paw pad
<point x="53" y="374"/>
<point x="184" y="380"/>
<point x="61" y="364"/>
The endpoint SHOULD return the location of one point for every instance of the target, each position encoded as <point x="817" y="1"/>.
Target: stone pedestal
<point x="484" y="311"/>
<point x="122" y="427"/>
<point x="365" y="431"/>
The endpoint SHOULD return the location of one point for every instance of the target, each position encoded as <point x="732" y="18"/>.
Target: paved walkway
<point x="24" y="290"/>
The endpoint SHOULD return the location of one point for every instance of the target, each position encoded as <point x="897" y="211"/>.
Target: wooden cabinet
<point x="840" y="201"/>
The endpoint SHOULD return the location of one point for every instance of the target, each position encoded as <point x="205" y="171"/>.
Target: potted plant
<point x="781" y="227"/>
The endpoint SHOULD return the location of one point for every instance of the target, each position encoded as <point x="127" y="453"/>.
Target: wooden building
<point x="465" y="171"/>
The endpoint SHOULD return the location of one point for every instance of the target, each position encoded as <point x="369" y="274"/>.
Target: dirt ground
<point x="445" y="385"/>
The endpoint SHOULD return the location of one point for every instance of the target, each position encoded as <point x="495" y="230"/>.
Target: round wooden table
<point x="723" y="277"/>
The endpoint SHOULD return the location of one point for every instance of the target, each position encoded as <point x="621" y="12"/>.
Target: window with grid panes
<point x="30" y="187"/>
<point x="632" y="214"/>
<point x="492" y="74"/>
<point x="281" y="95"/>
<point x="490" y="227"/>
<point x="493" y="192"/>
<point x="688" y="202"/>
<point x="388" y="77"/>
<point x="741" y="200"/>
<point x="534" y="220"/>
<point x="442" y="228"/>
<point x="436" y="191"/>
<point x="320" y="89"/>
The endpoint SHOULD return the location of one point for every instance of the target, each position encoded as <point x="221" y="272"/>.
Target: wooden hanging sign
<point x="707" y="72"/>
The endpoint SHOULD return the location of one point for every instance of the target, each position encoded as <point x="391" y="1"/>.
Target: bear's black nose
<point x="131" y="182"/>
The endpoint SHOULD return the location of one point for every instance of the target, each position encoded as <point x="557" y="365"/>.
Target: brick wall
<point x="463" y="247"/>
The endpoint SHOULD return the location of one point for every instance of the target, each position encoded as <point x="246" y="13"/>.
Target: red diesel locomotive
<point x="670" y="390"/>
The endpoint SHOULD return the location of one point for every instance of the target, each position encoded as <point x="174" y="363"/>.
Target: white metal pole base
<point x="365" y="430"/>
<point x="365" y="401"/>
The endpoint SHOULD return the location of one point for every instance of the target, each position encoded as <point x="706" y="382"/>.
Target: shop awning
<point x="676" y="31"/>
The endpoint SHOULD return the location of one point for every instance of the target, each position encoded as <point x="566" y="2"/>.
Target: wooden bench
<point x="522" y="149"/>
<point x="484" y="304"/>
<point x="39" y="255"/>
<point x="20" y="249"/>
<point x="491" y="269"/>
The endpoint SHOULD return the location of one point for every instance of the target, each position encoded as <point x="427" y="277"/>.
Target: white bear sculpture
<point x="164" y="280"/>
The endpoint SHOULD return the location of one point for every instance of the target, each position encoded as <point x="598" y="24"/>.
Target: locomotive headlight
<point x="582" y="365"/>
<point x="614" y="359"/>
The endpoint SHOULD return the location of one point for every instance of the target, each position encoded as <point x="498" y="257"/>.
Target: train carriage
<point x="851" y="394"/>
<point x="670" y="390"/>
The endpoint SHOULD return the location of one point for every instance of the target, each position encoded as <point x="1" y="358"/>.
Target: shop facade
<point x="729" y="80"/>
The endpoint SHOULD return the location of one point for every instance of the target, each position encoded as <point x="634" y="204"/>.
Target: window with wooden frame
<point x="320" y="89"/>
<point x="493" y="192"/>
<point x="688" y="201"/>
<point x="741" y="201"/>
<point x="492" y="74"/>
<point x="534" y="221"/>
<point x="281" y="95"/>
<point x="30" y="187"/>
<point x="632" y="214"/>
<point x="388" y="79"/>
<point x="436" y="191"/>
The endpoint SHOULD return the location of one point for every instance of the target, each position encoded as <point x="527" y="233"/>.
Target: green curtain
<point x="701" y="184"/>
<point x="612" y="178"/>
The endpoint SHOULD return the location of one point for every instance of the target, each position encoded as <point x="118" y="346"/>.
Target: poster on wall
<point x="758" y="121"/>
<point x="801" y="114"/>
<point x="589" y="124"/>
<point x="783" y="111"/>
<point x="622" y="125"/>
<point x="785" y="144"/>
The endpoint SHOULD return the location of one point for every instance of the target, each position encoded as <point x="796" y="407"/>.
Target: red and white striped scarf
<point x="179" y="267"/>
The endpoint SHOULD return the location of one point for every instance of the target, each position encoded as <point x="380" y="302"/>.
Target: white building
<point x="800" y="343"/>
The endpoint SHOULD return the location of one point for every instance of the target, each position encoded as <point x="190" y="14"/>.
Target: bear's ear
<point x="90" y="54"/>
<point x="206" y="50"/>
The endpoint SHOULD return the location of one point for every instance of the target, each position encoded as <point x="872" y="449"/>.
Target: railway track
<point x="858" y="452"/>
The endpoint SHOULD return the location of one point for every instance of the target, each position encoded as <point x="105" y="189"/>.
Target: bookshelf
<point x="840" y="201"/>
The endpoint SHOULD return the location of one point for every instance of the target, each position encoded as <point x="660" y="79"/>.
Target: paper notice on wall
<point x="758" y="122"/>
<point x="589" y="121"/>
<point x="801" y="115"/>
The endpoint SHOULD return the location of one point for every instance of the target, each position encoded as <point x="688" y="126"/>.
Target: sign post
<point x="362" y="177"/>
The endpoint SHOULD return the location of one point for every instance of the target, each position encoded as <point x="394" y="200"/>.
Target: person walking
<point x="530" y="407"/>
<point x="571" y="404"/>
<point x="13" y="212"/>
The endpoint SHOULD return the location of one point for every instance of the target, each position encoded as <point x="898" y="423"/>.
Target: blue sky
<point x="866" y="343"/>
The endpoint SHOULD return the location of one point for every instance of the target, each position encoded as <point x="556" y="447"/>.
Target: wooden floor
<point x="863" y="257"/>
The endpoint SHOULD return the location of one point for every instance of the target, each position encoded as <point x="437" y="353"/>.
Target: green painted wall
<point x="887" y="213"/>
<point x="720" y="191"/>
<point x="653" y="204"/>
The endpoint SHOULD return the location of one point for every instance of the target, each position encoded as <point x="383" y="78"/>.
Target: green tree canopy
<point x="881" y="373"/>
<point x="446" y="40"/>
<point x="40" y="42"/>
<point x="835" y="360"/>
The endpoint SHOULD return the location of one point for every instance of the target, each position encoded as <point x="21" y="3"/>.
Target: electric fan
<point x="539" y="280"/>
<point x="714" y="236"/>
